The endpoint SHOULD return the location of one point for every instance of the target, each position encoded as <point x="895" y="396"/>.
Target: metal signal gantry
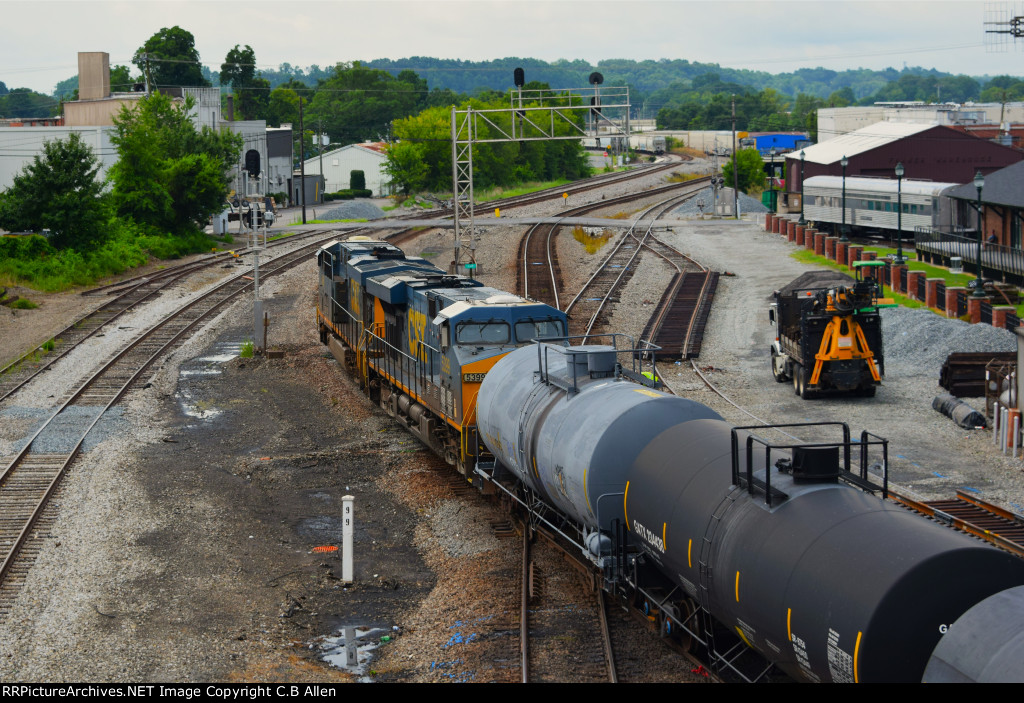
<point x="552" y="115"/>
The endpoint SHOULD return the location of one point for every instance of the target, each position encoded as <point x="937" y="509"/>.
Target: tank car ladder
<point x="706" y="576"/>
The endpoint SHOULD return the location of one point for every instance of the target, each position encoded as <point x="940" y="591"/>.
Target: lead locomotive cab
<point x="419" y="340"/>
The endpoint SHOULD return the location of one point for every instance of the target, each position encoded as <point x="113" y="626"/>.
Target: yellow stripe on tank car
<point x="664" y="528"/>
<point x="856" y="659"/>
<point x="625" y="497"/>
<point x="789" y="624"/>
<point x="737" y="586"/>
<point x="689" y="554"/>
<point x="744" y="637"/>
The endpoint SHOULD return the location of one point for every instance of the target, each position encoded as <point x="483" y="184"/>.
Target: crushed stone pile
<point x="352" y="210"/>
<point x="917" y="341"/>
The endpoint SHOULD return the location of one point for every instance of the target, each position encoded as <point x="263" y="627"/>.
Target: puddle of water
<point x="210" y="365"/>
<point x="201" y="410"/>
<point x="322" y="529"/>
<point x="366" y="640"/>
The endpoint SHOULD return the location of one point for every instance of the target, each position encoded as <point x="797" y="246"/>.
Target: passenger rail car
<point x="649" y="144"/>
<point x="871" y="203"/>
<point x="420" y="340"/>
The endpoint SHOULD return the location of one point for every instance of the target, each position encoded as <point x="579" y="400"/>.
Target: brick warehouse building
<point x="927" y="152"/>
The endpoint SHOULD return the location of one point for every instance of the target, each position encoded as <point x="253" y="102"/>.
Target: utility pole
<point x="320" y="147"/>
<point x="735" y="173"/>
<point x="302" y="164"/>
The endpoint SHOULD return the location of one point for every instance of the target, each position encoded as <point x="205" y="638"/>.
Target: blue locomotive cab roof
<point x="395" y="288"/>
<point x="500" y="319"/>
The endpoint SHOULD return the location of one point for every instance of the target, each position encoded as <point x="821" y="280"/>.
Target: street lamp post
<point x="979" y="286"/>
<point x="842" y="230"/>
<point x="900" y="259"/>
<point x="771" y="179"/>
<point x="801" y="221"/>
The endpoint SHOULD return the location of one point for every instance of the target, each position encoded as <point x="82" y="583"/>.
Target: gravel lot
<point x="182" y="550"/>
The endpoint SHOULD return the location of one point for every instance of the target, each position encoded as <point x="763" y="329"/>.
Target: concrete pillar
<point x="347" y="534"/>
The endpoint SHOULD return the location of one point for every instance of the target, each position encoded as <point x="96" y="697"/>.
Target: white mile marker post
<point x="347" y="529"/>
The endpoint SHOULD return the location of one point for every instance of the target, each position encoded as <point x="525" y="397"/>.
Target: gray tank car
<point x="823" y="579"/>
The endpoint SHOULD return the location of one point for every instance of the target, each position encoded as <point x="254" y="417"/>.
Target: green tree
<point x="252" y="93"/>
<point x="283" y="107"/>
<point x="749" y="168"/>
<point x="358" y="103"/>
<point x="169" y="175"/>
<point x="23" y="102"/>
<point x="169" y="59"/>
<point x="406" y="166"/>
<point x="357" y="180"/>
<point x="121" y="80"/>
<point x="58" y="191"/>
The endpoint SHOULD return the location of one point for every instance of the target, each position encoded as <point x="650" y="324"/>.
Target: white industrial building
<point x="836" y="121"/>
<point x="92" y="117"/>
<point x="18" y="146"/>
<point x="338" y="165"/>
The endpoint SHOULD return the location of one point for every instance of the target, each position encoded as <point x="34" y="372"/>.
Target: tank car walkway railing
<point x="997" y="260"/>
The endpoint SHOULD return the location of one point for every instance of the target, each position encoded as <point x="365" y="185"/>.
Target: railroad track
<point x="539" y="276"/>
<point x="128" y="295"/>
<point x="986" y="521"/>
<point x="31" y="479"/>
<point x="545" y="195"/>
<point x="591" y="304"/>
<point x="563" y="631"/>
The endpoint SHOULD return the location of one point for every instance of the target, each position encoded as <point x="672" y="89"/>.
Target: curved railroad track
<point x="538" y="275"/>
<point x="32" y="477"/>
<point x="128" y="295"/>
<point x="591" y="303"/>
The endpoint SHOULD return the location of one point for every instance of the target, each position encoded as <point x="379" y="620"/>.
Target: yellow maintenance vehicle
<point x="828" y="333"/>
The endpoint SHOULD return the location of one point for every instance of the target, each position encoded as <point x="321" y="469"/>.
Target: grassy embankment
<point x="30" y="261"/>
<point x="952" y="279"/>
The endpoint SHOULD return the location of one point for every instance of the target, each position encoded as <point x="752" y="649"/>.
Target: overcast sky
<point x="41" y="38"/>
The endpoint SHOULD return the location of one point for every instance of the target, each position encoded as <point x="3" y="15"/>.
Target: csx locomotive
<point x="420" y="340"/>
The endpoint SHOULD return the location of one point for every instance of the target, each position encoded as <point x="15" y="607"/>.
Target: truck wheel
<point x="805" y="392"/>
<point x="867" y="392"/>
<point x="777" y="372"/>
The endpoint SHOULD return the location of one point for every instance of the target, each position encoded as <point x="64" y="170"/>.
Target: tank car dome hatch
<point x="359" y="238"/>
<point x="984" y="645"/>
